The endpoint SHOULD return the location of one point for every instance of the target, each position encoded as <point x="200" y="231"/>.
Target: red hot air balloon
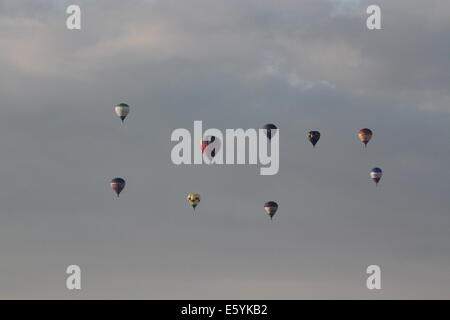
<point x="117" y="184"/>
<point x="205" y="141"/>
<point x="365" y="135"/>
<point x="215" y="145"/>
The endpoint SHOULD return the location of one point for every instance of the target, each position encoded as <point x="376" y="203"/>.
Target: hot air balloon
<point x="314" y="137"/>
<point x="122" y="110"/>
<point x="376" y="174"/>
<point x="193" y="199"/>
<point x="207" y="140"/>
<point x="270" y="130"/>
<point x="271" y="208"/>
<point x="365" y="135"/>
<point x="117" y="184"/>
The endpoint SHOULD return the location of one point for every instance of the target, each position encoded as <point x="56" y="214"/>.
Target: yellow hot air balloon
<point x="193" y="199"/>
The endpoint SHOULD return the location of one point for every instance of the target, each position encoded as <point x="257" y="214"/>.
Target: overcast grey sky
<point x="303" y="65"/>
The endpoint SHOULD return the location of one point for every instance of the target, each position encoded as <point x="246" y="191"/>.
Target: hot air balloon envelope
<point x="270" y="130"/>
<point x="193" y="199"/>
<point x="376" y="174"/>
<point x="117" y="184"/>
<point x="122" y="110"/>
<point x="212" y="150"/>
<point x="271" y="208"/>
<point x="365" y="135"/>
<point x="314" y="137"/>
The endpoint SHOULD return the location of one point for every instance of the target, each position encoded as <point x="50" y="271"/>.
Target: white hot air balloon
<point x="122" y="110"/>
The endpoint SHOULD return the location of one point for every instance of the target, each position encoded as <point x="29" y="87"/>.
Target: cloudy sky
<point x="303" y="65"/>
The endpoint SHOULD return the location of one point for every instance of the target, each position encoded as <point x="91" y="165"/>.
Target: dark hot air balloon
<point x="117" y="184"/>
<point x="270" y="130"/>
<point x="271" y="208"/>
<point x="313" y="137"/>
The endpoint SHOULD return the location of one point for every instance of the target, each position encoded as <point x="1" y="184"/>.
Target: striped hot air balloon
<point x="365" y="135"/>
